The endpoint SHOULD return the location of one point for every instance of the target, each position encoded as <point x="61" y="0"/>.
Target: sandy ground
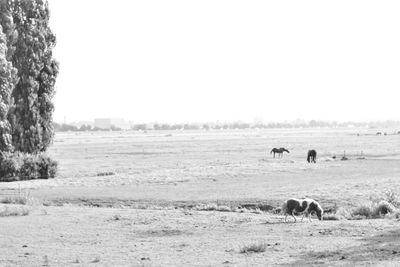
<point x="166" y="173"/>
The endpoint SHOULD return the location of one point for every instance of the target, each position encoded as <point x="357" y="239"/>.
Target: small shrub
<point x="363" y="210"/>
<point x="255" y="247"/>
<point x="47" y="167"/>
<point x="383" y="208"/>
<point x="20" y="166"/>
<point x="14" y="211"/>
<point x="9" y="165"/>
<point x="29" y="168"/>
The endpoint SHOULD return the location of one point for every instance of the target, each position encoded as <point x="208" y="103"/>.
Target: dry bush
<point x="365" y="210"/>
<point x="383" y="208"/>
<point x="213" y="207"/>
<point x="14" y="211"/>
<point x="373" y="210"/>
<point x="21" y="198"/>
<point x="258" y="247"/>
<point x="378" y="206"/>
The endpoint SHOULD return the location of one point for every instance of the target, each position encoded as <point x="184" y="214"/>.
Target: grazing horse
<point x="305" y="206"/>
<point x="279" y="151"/>
<point x="311" y="156"/>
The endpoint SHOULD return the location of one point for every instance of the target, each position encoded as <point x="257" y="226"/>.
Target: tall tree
<point x="31" y="114"/>
<point x="8" y="74"/>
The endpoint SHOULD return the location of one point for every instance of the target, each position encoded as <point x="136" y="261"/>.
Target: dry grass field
<point x="174" y="198"/>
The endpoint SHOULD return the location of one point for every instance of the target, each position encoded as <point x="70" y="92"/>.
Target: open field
<point x="132" y="199"/>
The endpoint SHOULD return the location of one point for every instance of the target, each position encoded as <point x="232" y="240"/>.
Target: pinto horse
<point x="305" y="206"/>
<point x="279" y="151"/>
<point x="311" y="156"/>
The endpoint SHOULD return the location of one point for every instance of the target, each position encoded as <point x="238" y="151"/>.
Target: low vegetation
<point x="379" y="206"/>
<point x="23" y="166"/>
<point x="105" y="173"/>
<point x="257" y="247"/>
<point x="8" y="211"/>
<point x="20" y="198"/>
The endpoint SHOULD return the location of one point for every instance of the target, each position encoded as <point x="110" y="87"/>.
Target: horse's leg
<point x="302" y="217"/>
<point x="286" y="217"/>
<point x="309" y="216"/>
<point x="294" y="216"/>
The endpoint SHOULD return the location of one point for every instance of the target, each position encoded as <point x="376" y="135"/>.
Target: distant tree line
<point x="63" y="127"/>
<point x="226" y="126"/>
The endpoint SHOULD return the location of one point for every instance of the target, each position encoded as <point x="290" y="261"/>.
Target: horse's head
<point x="286" y="150"/>
<point x="320" y="212"/>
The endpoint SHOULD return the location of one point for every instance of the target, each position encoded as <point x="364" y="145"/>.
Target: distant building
<point x="108" y="123"/>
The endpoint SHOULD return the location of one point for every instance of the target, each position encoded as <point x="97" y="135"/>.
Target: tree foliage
<point x="28" y="73"/>
<point x="30" y="43"/>
<point x="8" y="77"/>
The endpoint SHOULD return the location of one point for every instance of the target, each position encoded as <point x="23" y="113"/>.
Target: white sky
<point x="209" y="60"/>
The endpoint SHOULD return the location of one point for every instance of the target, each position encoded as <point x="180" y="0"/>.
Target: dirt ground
<point x="126" y="199"/>
<point x="81" y="236"/>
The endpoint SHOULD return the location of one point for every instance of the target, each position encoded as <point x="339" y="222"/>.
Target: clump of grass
<point x="213" y="207"/>
<point x="365" y="210"/>
<point x="116" y="217"/>
<point x="21" y="198"/>
<point x="95" y="260"/>
<point x="14" y="211"/>
<point x="331" y="217"/>
<point x="257" y="247"/>
<point x="105" y="173"/>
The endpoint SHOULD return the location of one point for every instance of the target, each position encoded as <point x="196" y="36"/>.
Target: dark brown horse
<point x="312" y="156"/>
<point x="279" y="151"/>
